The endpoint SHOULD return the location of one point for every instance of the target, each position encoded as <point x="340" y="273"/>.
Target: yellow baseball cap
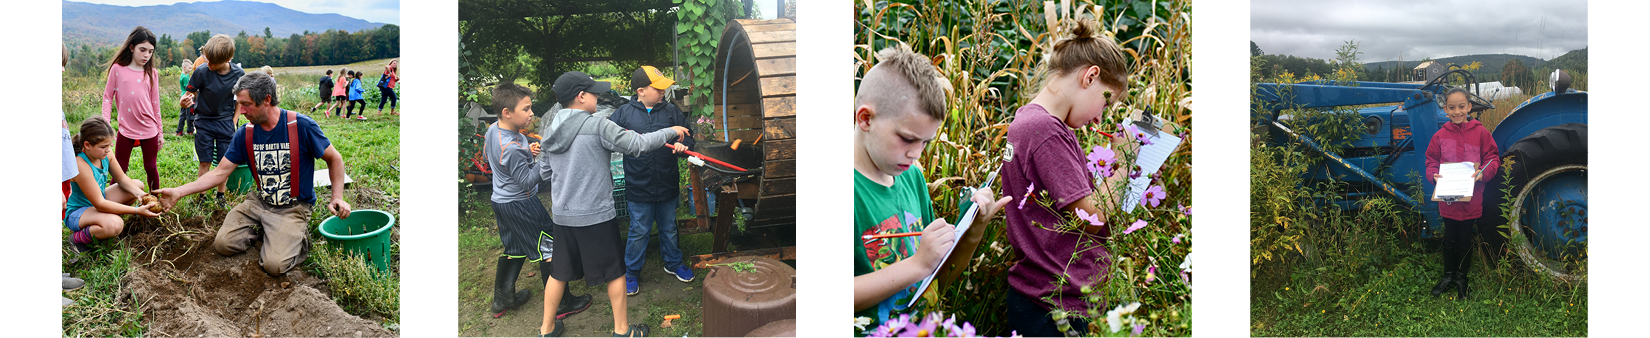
<point x="647" y="76"/>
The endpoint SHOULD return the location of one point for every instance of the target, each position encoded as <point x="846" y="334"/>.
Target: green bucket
<point x="240" y="181"/>
<point x="365" y="232"/>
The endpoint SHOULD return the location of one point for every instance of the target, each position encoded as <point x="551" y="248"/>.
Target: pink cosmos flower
<point x="1151" y="273"/>
<point x="1100" y="161"/>
<point x="1177" y="238"/>
<point x="1136" y="226"/>
<point x="1093" y="219"/>
<point x="1154" y="195"/>
<point x="1029" y="188"/>
<point x="1186" y="210"/>
<point x="1138" y="135"/>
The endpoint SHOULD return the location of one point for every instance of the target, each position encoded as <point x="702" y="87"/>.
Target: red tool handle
<point x="712" y="160"/>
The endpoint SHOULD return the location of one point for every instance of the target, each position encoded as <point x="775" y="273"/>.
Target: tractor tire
<point x="1545" y="149"/>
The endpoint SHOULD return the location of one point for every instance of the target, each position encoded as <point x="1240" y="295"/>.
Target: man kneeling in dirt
<point x="285" y="192"/>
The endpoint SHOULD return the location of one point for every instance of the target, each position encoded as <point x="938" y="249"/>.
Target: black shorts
<point x="594" y="253"/>
<point x="524" y="229"/>
<point x="212" y="138"/>
<point x="340" y="98"/>
<point x="324" y="97"/>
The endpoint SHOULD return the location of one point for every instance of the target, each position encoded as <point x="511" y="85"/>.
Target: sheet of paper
<point x="1150" y="160"/>
<point x="962" y="228"/>
<point x="1456" y="180"/>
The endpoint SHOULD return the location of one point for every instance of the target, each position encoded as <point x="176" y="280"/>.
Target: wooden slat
<point x="763" y="223"/>
<point x="779" y="106"/>
<point x="780" y="66"/>
<point x="742" y="122"/>
<point x="774" y="150"/>
<point x="741" y="94"/>
<point x="778" y="86"/>
<point x="779" y="187"/>
<point x="748" y="190"/>
<point x="779" y="128"/>
<point x="771" y="36"/>
<point x="773" y="50"/>
<point x="749" y="109"/>
<point x="770" y="27"/>
<point x="778" y="169"/>
<point x="774" y="214"/>
<point x="776" y="202"/>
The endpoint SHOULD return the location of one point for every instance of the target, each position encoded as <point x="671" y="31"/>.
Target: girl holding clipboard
<point x="1463" y="139"/>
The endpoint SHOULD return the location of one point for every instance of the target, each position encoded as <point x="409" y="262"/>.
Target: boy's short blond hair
<point x="219" y="49"/>
<point x="919" y="76"/>
<point x="268" y="70"/>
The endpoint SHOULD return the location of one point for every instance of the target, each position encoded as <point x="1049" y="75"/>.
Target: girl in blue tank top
<point x="102" y="191"/>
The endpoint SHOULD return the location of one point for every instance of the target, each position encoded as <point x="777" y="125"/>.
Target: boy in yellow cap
<point x="651" y="180"/>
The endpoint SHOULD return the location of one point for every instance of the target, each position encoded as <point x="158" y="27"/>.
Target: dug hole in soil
<point x="186" y="289"/>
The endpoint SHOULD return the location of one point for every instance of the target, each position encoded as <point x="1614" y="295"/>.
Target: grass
<point x="371" y="151"/>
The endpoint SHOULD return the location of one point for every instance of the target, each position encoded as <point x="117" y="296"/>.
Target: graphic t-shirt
<point x="274" y="159"/>
<point x="214" y="93"/>
<point x="902" y="207"/>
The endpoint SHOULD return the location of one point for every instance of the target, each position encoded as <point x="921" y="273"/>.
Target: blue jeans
<point x="642" y="217"/>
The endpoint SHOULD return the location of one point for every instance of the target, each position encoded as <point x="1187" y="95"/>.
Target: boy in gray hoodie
<point x="574" y="158"/>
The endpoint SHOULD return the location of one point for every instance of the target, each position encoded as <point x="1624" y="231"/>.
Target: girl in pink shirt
<point x="133" y="87"/>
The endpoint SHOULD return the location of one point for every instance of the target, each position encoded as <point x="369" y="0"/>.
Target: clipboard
<point x="1457" y="184"/>
<point x="1150" y="158"/>
<point x="963" y="223"/>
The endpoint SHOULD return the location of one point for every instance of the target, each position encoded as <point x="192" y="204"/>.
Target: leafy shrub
<point x="356" y="285"/>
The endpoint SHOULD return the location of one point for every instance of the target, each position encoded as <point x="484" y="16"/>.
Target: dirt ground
<point x="185" y="289"/>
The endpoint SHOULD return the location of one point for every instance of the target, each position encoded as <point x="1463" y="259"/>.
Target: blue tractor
<point x="1546" y="136"/>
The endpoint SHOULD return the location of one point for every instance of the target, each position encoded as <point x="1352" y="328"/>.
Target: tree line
<point x="331" y="47"/>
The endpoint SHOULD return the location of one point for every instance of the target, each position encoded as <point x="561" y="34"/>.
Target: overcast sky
<point x="1421" y="29"/>
<point x="379" y="11"/>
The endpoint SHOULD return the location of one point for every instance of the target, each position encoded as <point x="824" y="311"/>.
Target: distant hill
<point x="99" y="25"/>
<point x="1574" y="61"/>
<point x="1491" y="70"/>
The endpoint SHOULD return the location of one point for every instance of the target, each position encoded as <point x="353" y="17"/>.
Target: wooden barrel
<point x="757" y="61"/>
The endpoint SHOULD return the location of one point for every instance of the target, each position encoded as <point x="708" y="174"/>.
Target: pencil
<point x="906" y="234"/>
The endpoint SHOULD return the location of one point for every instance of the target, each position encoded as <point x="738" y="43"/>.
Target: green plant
<point x="357" y="286"/>
<point x="699" y="24"/>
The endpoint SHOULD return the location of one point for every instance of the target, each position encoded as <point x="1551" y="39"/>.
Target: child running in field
<point x="340" y="92"/>
<point x="1086" y="76"/>
<point x="899" y="107"/>
<point x="100" y="192"/>
<point x="357" y="97"/>
<point x="133" y="88"/>
<point x="325" y="92"/>
<point x="1463" y="139"/>
<point x="186" y="118"/>
<point x="386" y="87"/>
<point x="522" y="220"/>
<point x="574" y="157"/>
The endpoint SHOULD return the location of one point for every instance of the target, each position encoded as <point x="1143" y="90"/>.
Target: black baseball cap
<point x="570" y="84"/>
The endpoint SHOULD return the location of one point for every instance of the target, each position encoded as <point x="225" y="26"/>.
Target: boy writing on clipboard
<point x="899" y="108"/>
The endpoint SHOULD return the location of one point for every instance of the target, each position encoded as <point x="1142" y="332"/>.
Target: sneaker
<point x="636" y="330"/>
<point x="71" y="283"/>
<point x="682" y="273"/>
<point x="361" y="117"/>
<point x="556" y="332"/>
<point x="630" y="287"/>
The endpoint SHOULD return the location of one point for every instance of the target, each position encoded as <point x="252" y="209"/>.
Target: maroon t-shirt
<point x="1045" y="156"/>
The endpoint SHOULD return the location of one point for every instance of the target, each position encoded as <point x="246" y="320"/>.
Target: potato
<point x="147" y="199"/>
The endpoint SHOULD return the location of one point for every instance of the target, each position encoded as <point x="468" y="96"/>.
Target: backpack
<point x="384" y="81"/>
<point x="294" y="150"/>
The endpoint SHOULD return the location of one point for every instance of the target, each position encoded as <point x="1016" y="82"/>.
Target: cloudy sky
<point x="379" y="11"/>
<point x="1421" y="29"/>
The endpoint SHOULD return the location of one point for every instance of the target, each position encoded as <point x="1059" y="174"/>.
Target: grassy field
<point x="370" y="148"/>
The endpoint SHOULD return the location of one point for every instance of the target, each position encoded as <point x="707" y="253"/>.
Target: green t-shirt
<point x="903" y="207"/>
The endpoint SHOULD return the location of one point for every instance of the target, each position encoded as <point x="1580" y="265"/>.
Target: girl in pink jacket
<point x="1462" y="139"/>
<point x="134" y="88"/>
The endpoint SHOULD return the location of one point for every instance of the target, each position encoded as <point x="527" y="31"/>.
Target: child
<point x="340" y="91"/>
<point x="386" y="87"/>
<point x="899" y="107"/>
<point x="186" y="118"/>
<point x="134" y="86"/>
<point x="1086" y="75"/>
<point x="520" y="214"/>
<point x="356" y="97"/>
<point x="651" y="180"/>
<point x="95" y="212"/>
<point x="325" y="92"/>
<point x="575" y="158"/>
<point x="1463" y="139"/>
<point x="214" y="103"/>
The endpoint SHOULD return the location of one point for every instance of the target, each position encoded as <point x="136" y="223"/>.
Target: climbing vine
<point x="699" y="24"/>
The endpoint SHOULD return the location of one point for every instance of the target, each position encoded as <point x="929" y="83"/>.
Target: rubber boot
<point x="1444" y="283"/>
<point x="570" y="304"/>
<point x="1461" y="276"/>
<point x="505" y="295"/>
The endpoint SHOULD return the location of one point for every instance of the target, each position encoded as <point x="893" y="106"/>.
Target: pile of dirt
<point x="185" y="289"/>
